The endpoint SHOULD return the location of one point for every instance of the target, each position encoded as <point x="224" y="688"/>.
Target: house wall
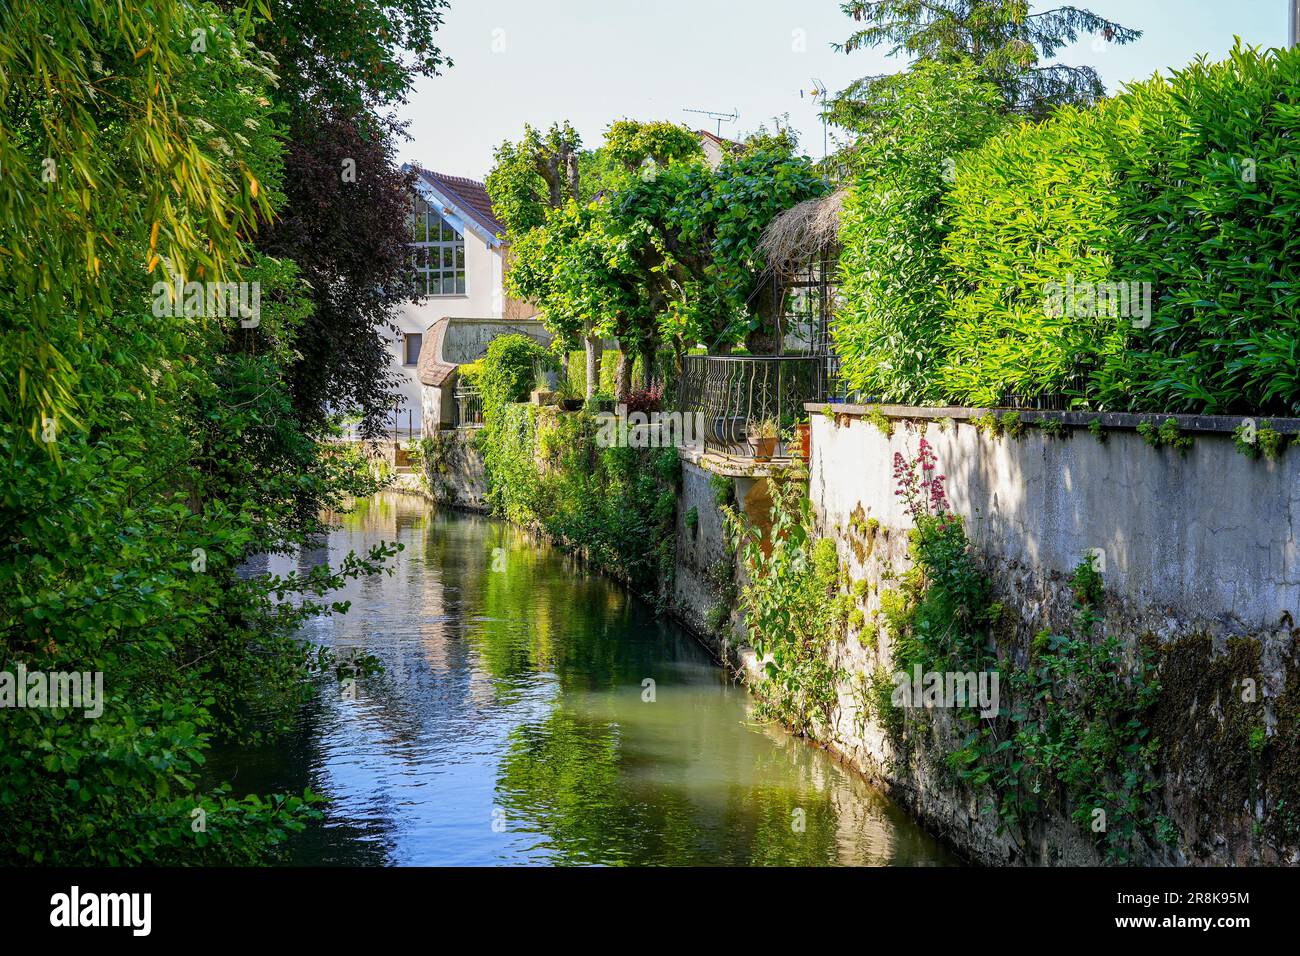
<point x="483" y="298"/>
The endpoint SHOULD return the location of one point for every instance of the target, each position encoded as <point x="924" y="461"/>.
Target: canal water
<point x="531" y="712"/>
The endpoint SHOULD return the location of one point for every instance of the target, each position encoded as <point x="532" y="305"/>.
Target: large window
<point x="439" y="253"/>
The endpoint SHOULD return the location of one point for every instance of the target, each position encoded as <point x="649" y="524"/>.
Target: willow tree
<point x="107" y="170"/>
<point x="139" y="146"/>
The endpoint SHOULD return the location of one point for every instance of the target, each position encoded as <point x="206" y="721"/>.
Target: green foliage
<point x="791" y="612"/>
<point x="630" y="144"/>
<point x="1253" y="439"/>
<point x="1166" y="434"/>
<point x="167" y="448"/>
<point x="179" y="182"/>
<point x="724" y="489"/>
<point x="914" y="127"/>
<point x="1073" y="734"/>
<point x="1053" y="427"/>
<point x="1032" y="210"/>
<point x="1002" y="37"/>
<point x="546" y="470"/>
<point x="507" y="372"/>
<point x="883" y="423"/>
<point x="1153" y="192"/>
<point x="1214" y="172"/>
<point x="530" y="178"/>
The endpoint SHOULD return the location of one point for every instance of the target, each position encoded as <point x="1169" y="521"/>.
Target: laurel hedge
<point x="1189" y="186"/>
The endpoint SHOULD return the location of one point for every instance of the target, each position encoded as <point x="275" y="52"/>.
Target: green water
<point x="512" y="725"/>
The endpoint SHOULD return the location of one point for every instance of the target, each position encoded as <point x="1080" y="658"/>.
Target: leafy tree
<point x="534" y="176"/>
<point x="349" y="239"/>
<point x="341" y="63"/>
<point x="1010" y="44"/>
<point x="531" y="180"/>
<point x="351" y="56"/>
<point x="149" y="152"/>
<point x="182" y="460"/>
<point x="631" y="144"/>
<point x="705" y="226"/>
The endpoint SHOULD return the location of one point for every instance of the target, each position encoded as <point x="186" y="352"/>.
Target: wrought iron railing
<point x="469" y="405"/>
<point x="742" y="398"/>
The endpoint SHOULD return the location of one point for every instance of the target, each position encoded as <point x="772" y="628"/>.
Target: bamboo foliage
<point x="109" y="178"/>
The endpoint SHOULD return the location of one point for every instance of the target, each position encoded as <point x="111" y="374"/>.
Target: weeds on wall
<point x="794" y="608"/>
<point x="1073" y="733"/>
<point x="614" y="506"/>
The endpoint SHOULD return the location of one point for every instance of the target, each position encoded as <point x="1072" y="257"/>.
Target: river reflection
<point x="514" y="724"/>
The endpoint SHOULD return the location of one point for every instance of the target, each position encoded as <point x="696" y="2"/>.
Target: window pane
<point x="413" y="342"/>
<point x="460" y="283"/>
<point x="460" y="256"/>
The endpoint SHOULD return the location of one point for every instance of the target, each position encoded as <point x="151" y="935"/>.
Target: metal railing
<point x="469" y="405"/>
<point x="737" y="395"/>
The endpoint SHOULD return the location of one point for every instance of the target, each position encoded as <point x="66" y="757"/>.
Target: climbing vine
<point x="1073" y="733"/>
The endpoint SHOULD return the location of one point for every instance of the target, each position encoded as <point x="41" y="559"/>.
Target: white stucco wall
<point x="483" y="298"/>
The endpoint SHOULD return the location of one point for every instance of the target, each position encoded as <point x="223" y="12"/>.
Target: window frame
<point x="407" y="362"/>
<point x="444" y="245"/>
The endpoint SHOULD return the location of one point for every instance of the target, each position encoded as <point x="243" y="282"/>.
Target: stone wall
<point x="1199" y="565"/>
<point x="454" y="469"/>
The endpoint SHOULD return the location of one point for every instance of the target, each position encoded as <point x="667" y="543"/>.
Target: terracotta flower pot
<point x="804" y="431"/>
<point x="764" y="448"/>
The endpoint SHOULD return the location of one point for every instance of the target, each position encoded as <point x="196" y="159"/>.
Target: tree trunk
<point x="766" y="338"/>
<point x="624" y="385"/>
<point x="592" y="344"/>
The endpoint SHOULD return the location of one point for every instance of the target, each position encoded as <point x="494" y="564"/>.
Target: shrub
<point x="887" y="329"/>
<point x="1032" y="212"/>
<point x="508" y="371"/>
<point x="1209" y="196"/>
<point x="1180" y="191"/>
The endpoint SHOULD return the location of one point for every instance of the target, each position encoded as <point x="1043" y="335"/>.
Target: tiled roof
<point x="723" y="142"/>
<point x="469" y="195"/>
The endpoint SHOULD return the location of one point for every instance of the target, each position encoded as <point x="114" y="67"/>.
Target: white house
<point x="460" y="262"/>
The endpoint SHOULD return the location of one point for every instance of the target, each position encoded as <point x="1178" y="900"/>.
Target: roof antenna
<point x="720" y="117"/>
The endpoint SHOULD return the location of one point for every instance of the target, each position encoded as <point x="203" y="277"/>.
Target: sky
<point x="594" y="61"/>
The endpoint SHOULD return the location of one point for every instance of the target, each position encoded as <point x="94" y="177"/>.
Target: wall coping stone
<point x="1186" y="423"/>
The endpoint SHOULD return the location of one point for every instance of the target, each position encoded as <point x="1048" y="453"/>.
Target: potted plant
<point x="763" y="434"/>
<point x="802" y="443"/>
<point x="570" y="399"/>
<point x="543" y="386"/>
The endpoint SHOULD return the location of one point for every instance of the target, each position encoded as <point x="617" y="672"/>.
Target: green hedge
<point x="1028" y="209"/>
<point x="1211" y="196"/>
<point x="893" y="224"/>
<point x="1187" y="188"/>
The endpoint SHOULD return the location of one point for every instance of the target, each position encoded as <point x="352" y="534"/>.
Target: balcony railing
<point x="469" y="405"/>
<point x="739" y="394"/>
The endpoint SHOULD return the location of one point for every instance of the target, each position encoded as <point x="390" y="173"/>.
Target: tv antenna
<point x="720" y="118"/>
<point x="819" y="92"/>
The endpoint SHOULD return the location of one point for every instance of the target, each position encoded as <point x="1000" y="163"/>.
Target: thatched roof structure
<point x="801" y="233"/>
